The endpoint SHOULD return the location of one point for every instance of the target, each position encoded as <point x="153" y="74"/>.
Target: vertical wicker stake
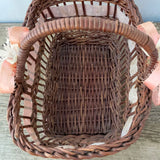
<point x="79" y="94"/>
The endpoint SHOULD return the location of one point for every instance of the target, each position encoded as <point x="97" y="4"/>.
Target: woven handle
<point x="84" y="23"/>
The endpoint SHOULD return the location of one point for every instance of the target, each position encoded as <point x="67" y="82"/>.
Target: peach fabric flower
<point x="156" y="95"/>
<point x="151" y="30"/>
<point x="9" y="58"/>
<point x="7" y="72"/>
<point x="16" y="34"/>
<point x="154" y="79"/>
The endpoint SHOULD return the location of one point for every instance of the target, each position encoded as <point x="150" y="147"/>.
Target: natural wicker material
<point x="73" y="84"/>
<point x="37" y="8"/>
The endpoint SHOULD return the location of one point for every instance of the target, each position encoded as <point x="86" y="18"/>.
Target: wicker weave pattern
<point x="80" y="80"/>
<point x="37" y="8"/>
<point x="73" y="83"/>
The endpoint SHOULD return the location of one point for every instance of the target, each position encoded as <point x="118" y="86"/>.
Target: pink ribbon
<point x="153" y="81"/>
<point x="8" y="69"/>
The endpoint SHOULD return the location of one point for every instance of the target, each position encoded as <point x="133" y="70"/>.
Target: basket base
<point x="80" y="94"/>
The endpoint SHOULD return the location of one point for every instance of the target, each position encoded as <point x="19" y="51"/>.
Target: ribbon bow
<point x="153" y="81"/>
<point x="8" y="58"/>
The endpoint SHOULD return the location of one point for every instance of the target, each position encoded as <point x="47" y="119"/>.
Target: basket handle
<point x="84" y="23"/>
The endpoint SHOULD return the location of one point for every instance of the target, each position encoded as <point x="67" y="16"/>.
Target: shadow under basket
<point x="79" y="90"/>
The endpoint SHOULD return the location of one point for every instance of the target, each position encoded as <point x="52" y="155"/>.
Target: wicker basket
<point x="79" y="82"/>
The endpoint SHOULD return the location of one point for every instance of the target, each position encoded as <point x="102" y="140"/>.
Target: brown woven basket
<point x="79" y="82"/>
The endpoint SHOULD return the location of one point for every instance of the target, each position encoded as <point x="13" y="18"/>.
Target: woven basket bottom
<point x="81" y="95"/>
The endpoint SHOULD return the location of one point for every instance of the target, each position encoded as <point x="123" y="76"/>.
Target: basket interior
<point x="84" y="77"/>
<point x="85" y="100"/>
<point x="84" y="86"/>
